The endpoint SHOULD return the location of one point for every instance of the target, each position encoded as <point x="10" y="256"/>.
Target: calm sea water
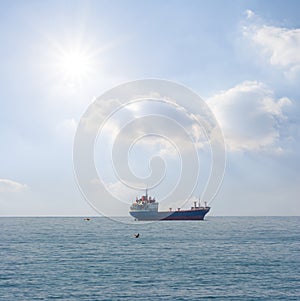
<point x="229" y="258"/>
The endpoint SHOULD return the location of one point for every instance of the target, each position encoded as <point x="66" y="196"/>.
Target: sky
<point x="241" y="57"/>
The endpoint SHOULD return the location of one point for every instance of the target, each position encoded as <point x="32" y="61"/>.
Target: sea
<point x="220" y="258"/>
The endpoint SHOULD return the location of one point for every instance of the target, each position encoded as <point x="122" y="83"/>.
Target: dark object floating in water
<point x="137" y="235"/>
<point x="87" y="219"/>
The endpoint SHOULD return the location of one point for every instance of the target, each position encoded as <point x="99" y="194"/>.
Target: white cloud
<point x="100" y="112"/>
<point x="67" y="126"/>
<point x="250" y="116"/>
<point x="280" y="45"/>
<point x="9" y="186"/>
<point x="249" y="13"/>
<point x="181" y="129"/>
<point x="122" y="192"/>
<point x="119" y="190"/>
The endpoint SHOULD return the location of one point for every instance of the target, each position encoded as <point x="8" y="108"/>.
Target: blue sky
<point x="241" y="57"/>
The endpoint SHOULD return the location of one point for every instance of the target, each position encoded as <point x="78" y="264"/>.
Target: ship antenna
<point x="147" y="193"/>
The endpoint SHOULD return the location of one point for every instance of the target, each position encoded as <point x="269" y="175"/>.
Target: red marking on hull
<point x="183" y="218"/>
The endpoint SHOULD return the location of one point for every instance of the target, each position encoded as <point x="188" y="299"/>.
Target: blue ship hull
<point x="194" y="214"/>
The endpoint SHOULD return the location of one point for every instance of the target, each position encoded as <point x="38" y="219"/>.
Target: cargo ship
<point x="146" y="209"/>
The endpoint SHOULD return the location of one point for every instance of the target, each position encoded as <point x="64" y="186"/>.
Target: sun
<point x="74" y="63"/>
<point x="74" y="66"/>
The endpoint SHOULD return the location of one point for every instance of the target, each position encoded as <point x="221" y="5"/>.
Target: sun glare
<point x="74" y="66"/>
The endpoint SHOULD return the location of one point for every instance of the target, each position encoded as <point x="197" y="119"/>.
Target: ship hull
<point x="168" y="216"/>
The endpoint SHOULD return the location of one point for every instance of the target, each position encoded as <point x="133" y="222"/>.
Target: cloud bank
<point x="250" y="116"/>
<point x="9" y="186"/>
<point x="281" y="46"/>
